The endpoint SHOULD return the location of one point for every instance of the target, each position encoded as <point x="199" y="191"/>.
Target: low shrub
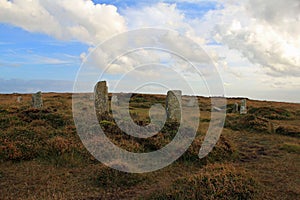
<point x="288" y="130"/>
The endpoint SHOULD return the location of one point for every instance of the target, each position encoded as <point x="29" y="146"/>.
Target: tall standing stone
<point x="37" y="101"/>
<point x="243" y="109"/>
<point x="101" y="99"/>
<point x="173" y="105"/>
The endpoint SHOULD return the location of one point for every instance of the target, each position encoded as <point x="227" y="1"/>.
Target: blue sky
<point x="29" y="56"/>
<point x="42" y="43"/>
<point x="192" y="9"/>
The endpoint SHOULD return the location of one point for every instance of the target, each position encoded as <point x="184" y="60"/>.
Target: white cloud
<point x="162" y="15"/>
<point x="80" y="20"/>
<point x="157" y="15"/>
<point x="265" y="32"/>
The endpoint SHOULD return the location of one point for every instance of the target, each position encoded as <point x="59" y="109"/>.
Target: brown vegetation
<point x="42" y="157"/>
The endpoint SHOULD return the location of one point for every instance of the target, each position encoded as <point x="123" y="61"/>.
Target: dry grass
<point x="214" y="181"/>
<point x="41" y="156"/>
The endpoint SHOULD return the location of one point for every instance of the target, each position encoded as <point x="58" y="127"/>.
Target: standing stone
<point x="37" y="101"/>
<point x="236" y="108"/>
<point x="101" y="99"/>
<point x="173" y="105"/>
<point x="192" y="102"/>
<point x="243" y="109"/>
<point x="115" y="100"/>
<point x="92" y="98"/>
<point x="19" y="99"/>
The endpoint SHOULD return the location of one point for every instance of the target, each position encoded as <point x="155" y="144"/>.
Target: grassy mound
<point x="252" y="123"/>
<point x="247" y="122"/>
<point x="271" y="113"/>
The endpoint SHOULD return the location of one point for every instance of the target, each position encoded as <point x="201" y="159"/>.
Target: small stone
<point x="19" y="99"/>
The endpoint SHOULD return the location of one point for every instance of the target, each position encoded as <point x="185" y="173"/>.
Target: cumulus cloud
<point x="162" y="15"/>
<point x="80" y="20"/>
<point x="146" y="46"/>
<point x="267" y="33"/>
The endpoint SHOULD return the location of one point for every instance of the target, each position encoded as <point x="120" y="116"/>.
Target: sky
<point x="254" y="44"/>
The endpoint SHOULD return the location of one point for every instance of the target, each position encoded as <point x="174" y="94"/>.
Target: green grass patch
<point x="291" y="148"/>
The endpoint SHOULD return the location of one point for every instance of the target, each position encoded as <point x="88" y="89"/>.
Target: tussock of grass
<point x="216" y="181"/>
<point x="223" y="151"/>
